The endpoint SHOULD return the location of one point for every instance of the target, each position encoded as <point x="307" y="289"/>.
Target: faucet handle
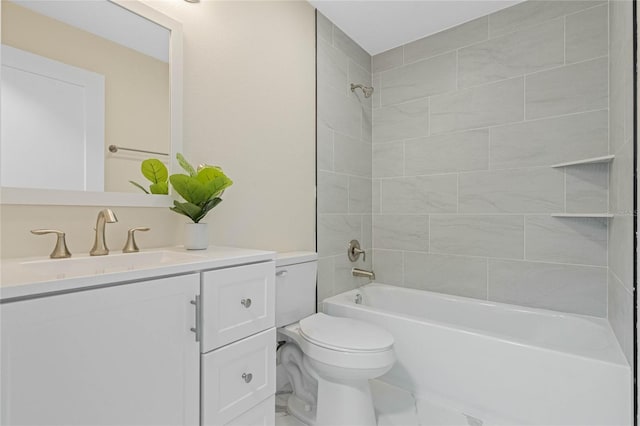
<point x="60" y="251"/>
<point x="354" y="251"/>
<point x="131" y="246"/>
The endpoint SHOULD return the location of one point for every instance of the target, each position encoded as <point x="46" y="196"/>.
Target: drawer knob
<point x="246" y="303"/>
<point x="247" y="377"/>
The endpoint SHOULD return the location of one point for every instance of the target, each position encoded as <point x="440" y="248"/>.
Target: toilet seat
<point x="378" y="355"/>
<point x="344" y="334"/>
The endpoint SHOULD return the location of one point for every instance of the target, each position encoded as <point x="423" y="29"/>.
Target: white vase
<point x="196" y="236"/>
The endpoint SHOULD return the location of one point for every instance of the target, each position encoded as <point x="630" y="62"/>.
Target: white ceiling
<point x="380" y="25"/>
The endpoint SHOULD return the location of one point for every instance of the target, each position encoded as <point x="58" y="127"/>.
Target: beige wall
<point x="78" y="223"/>
<point x="249" y="85"/>
<point x="136" y="86"/>
<point x="249" y="106"/>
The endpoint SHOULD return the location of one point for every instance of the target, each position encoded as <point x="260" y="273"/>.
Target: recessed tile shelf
<point x="600" y="215"/>
<point x="594" y="160"/>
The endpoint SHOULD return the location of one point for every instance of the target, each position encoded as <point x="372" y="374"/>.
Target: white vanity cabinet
<point x="117" y="355"/>
<point x="178" y="340"/>
<point x="238" y="345"/>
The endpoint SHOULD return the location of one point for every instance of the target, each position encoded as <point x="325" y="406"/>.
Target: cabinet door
<point x="121" y="355"/>
<point x="236" y="303"/>
<point x="237" y="377"/>
<point x="263" y="414"/>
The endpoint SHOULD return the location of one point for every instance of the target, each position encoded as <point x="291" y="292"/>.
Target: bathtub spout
<point x="356" y="272"/>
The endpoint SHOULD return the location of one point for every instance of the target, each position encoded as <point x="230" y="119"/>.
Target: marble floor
<point x="396" y="407"/>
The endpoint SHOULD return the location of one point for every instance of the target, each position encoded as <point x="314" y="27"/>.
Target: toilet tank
<point x="295" y="286"/>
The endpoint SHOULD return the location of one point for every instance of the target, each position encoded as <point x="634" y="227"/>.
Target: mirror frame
<point x="32" y="196"/>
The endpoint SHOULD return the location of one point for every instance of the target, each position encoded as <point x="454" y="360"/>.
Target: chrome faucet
<point x="356" y="272"/>
<point x="100" y="245"/>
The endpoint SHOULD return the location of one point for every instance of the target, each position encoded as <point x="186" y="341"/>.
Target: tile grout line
<point x="526" y="74"/>
<point x="486" y="259"/>
<point x="429" y="119"/>
<point x="505" y="259"/>
<point x="490" y="126"/>
<point x="429" y="233"/>
<point x="609" y="166"/>
<point x="402" y="269"/>
<point x="524" y="98"/>
<point x="589" y="8"/>
<point x="457" y="70"/>
<point x="404" y="159"/>
<point x="466" y="172"/>
<point x="524" y="237"/>
<point x="488" y="37"/>
<point x="565" y="64"/>
<point x="565" y="188"/>
<point x="508" y="32"/>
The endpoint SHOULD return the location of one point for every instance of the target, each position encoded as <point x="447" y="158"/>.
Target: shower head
<point x="368" y="91"/>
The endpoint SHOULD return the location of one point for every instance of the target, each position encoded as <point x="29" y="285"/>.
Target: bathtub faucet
<point x="356" y="272"/>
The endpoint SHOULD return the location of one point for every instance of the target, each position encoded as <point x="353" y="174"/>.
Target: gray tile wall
<point x="344" y="161"/>
<point x="466" y="124"/>
<point x="620" y="291"/>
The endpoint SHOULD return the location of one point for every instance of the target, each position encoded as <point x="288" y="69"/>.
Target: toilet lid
<point x="344" y="334"/>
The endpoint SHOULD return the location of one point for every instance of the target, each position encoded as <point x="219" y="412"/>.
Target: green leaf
<point x="207" y="174"/>
<point x="207" y="207"/>
<point x="154" y="170"/>
<point x="188" y="209"/>
<point x="201" y="190"/>
<point x="189" y="188"/>
<point x="204" y="166"/>
<point x="215" y="181"/>
<point x="185" y="165"/>
<point x="159" y="188"/>
<point x="136" y="184"/>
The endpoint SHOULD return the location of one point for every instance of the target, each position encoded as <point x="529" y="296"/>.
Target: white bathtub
<point x="506" y="363"/>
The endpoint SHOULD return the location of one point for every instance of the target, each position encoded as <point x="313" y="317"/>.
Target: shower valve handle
<point x="354" y="251"/>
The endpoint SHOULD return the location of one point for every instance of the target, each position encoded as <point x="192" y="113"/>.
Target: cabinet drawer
<point x="237" y="377"/>
<point x="263" y="414"/>
<point x="237" y="302"/>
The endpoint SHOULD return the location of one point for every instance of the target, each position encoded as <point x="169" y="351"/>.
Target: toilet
<point x="328" y="360"/>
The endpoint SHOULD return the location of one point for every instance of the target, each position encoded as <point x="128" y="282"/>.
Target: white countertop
<point x="27" y="277"/>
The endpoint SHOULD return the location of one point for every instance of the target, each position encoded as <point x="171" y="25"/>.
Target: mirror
<point x="89" y="90"/>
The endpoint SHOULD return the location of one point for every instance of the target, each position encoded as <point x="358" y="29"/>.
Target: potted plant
<point x="201" y="190"/>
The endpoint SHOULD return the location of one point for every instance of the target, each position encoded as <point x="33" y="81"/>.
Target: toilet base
<point x="301" y="410"/>
<point x="345" y="405"/>
<point x="340" y="405"/>
<point x="341" y="395"/>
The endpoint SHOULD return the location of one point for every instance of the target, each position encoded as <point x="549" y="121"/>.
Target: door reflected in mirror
<point x="77" y="77"/>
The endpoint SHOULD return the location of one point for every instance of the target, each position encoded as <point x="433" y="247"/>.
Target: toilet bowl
<point x="341" y="355"/>
<point x="328" y="360"/>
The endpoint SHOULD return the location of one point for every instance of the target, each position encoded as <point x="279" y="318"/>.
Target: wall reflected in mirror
<point x="78" y="76"/>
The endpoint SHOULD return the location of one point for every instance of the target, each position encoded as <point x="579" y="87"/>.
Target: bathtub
<point x="503" y="363"/>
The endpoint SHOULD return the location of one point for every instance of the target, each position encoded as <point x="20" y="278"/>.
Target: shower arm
<point x="368" y="91"/>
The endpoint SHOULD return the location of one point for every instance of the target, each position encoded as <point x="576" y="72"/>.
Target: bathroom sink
<point x="25" y="277"/>
<point x="121" y="262"/>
